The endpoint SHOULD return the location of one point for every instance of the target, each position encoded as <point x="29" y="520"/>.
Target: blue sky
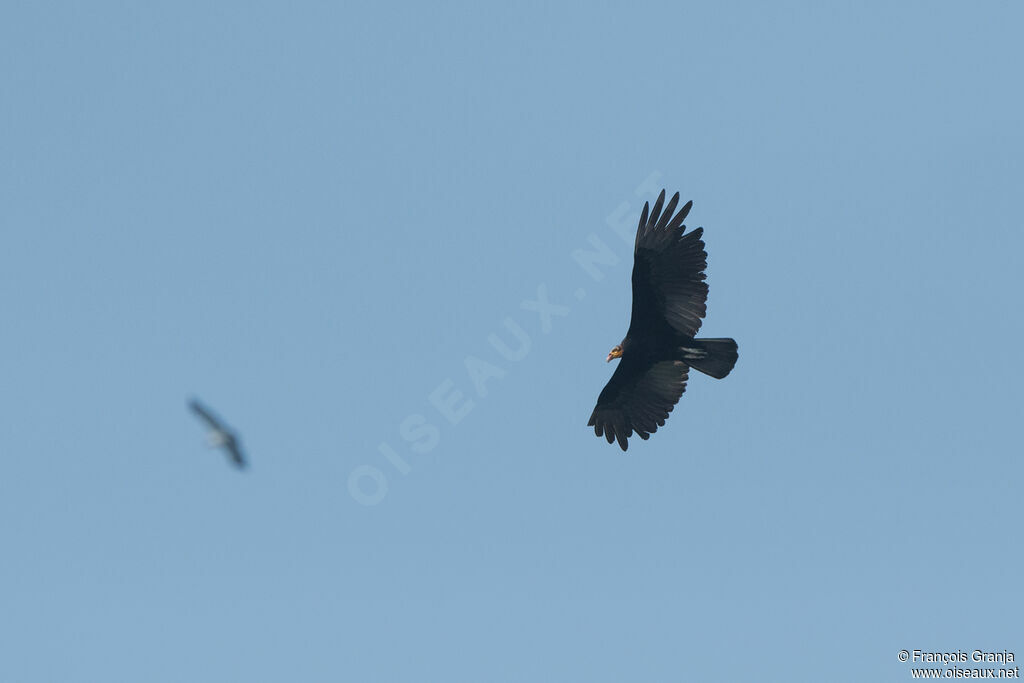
<point x="312" y="216"/>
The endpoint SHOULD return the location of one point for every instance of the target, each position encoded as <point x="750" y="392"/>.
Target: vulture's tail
<point x="715" y="357"/>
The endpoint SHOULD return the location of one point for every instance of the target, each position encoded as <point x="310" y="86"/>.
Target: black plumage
<point x="669" y="304"/>
<point x="220" y="435"/>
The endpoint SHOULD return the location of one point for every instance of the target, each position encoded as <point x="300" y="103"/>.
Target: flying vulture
<point x="669" y="295"/>
<point x="220" y="435"/>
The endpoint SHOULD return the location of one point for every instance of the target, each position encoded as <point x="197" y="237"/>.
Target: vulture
<point x="669" y="303"/>
<point x="220" y="435"/>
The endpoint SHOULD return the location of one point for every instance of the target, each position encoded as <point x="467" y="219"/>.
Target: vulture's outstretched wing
<point x="235" y="451"/>
<point x="209" y="418"/>
<point x="638" y="398"/>
<point x="668" y="271"/>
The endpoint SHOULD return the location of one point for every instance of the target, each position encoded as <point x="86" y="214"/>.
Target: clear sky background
<point x="310" y="217"/>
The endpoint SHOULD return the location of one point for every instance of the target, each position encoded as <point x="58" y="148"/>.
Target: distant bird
<point x="669" y="295"/>
<point x="220" y="435"/>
